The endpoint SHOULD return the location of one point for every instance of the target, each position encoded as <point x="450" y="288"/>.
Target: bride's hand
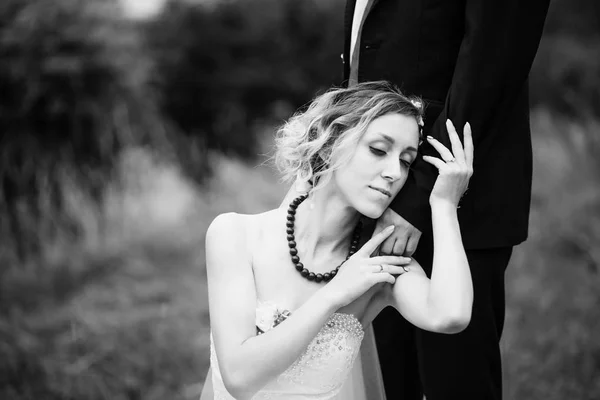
<point x="455" y="167"/>
<point x="361" y="271"/>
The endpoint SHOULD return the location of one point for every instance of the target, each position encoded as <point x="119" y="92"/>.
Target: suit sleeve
<point x="498" y="48"/>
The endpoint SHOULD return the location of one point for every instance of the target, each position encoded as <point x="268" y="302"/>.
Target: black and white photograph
<point x="299" y="200"/>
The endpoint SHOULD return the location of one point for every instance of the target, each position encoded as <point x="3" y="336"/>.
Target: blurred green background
<point x="126" y="126"/>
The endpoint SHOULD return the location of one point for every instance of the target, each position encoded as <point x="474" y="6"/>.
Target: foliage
<point x="71" y="76"/>
<point x="566" y="72"/>
<point x="221" y="69"/>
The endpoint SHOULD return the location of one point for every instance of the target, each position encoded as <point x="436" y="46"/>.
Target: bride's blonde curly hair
<point x="315" y="142"/>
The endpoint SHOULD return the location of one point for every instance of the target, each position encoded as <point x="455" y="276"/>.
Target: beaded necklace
<point x="311" y="276"/>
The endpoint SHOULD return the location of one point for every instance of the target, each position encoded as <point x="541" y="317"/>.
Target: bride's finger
<point x="390" y="269"/>
<point x="369" y="247"/>
<point x="468" y="139"/>
<point x="441" y="149"/>
<point x="457" y="147"/>
<point x="382" y="277"/>
<point x="396" y="260"/>
<point x="436" y="162"/>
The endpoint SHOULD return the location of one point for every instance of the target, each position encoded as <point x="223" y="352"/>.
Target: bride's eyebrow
<point x="391" y="140"/>
<point x="387" y="138"/>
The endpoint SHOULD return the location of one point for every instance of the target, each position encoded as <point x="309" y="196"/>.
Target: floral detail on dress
<point x="268" y="316"/>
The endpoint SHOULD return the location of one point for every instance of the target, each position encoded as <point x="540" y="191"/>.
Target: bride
<point x="293" y="291"/>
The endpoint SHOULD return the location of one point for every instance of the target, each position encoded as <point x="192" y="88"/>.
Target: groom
<point x="469" y="60"/>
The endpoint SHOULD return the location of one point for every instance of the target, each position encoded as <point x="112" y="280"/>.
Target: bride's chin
<point x="371" y="211"/>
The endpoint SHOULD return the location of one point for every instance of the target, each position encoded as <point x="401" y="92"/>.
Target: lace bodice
<point x="321" y="369"/>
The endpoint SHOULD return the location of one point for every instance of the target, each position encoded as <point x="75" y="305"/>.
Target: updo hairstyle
<point x="315" y="142"/>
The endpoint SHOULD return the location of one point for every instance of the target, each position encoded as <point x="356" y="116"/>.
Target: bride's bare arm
<point x="443" y="303"/>
<point x="247" y="362"/>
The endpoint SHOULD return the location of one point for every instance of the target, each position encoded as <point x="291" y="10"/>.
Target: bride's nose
<point x="392" y="170"/>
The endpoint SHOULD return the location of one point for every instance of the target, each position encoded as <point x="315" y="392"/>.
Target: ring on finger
<point x="380" y="268"/>
<point x="451" y="160"/>
<point x="405" y="268"/>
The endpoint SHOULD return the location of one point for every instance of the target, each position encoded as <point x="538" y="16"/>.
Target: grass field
<point x="120" y="311"/>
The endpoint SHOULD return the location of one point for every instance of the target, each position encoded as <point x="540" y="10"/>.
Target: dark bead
<point x="304" y="272"/>
<point x="318" y="278"/>
<point x="292" y="244"/>
<point x="326" y="276"/>
<point x="295" y="259"/>
<point x="289" y="224"/>
<point x="290" y="217"/>
<point x="311" y="276"/>
<point x="293" y="252"/>
<point x="292" y="211"/>
<point x="290" y="237"/>
<point x="333" y="273"/>
<point x="299" y="267"/>
<point x="289" y="231"/>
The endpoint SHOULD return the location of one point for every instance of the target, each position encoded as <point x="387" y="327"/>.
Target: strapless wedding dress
<point x="324" y="371"/>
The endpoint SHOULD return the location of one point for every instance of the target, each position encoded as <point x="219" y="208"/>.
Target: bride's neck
<point x="324" y="225"/>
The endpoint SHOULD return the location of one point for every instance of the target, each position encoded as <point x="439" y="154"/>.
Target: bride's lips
<point x="382" y="191"/>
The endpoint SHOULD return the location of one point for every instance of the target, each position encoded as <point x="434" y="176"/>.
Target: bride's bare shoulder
<point x="230" y="239"/>
<point x="235" y="228"/>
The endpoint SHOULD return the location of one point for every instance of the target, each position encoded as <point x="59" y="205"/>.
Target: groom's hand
<point x="404" y="240"/>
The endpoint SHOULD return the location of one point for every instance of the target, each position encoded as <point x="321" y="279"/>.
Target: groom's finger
<point x="400" y="245"/>
<point x="387" y="247"/>
<point x="411" y="245"/>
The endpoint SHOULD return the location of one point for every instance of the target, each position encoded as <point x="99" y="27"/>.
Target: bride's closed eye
<point x="380" y="153"/>
<point x="377" y="151"/>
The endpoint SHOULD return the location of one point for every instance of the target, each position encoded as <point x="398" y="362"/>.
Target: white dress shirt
<point x="360" y="10"/>
<point x="357" y="19"/>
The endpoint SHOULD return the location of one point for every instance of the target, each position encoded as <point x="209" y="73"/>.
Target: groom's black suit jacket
<point x="469" y="60"/>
